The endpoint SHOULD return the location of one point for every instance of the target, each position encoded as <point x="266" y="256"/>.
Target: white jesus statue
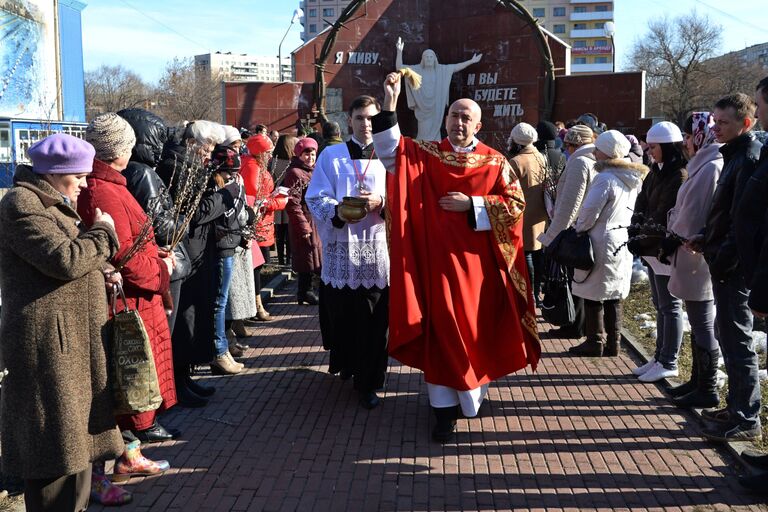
<point x="429" y="101"/>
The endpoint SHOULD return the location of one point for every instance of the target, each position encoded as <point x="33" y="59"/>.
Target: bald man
<point x="461" y="309"/>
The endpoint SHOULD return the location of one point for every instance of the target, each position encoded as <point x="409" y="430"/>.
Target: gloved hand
<point x="668" y="248"/>
<point x="634" y="247"/>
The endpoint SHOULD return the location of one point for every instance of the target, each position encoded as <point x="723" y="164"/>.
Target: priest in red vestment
<point x="461" y="307"/>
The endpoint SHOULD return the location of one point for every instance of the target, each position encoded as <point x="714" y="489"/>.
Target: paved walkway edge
<point x="734" y="449"/>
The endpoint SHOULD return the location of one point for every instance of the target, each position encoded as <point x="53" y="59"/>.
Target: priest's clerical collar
<point x="362" y="146"/>
<point x="358" y="151"/>
<point x="468" y="149"/>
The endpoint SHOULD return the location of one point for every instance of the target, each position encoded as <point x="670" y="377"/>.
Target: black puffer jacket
<point x="721" y="250"/>
<point x="145" y="184"/>
<point x="230" y="225"/>
<point x="654" y="201"/>
<point x="751" y="225"/>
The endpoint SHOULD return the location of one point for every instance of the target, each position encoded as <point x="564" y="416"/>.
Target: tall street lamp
<point x="297" y="15"/>
<point x="610" y="31"/>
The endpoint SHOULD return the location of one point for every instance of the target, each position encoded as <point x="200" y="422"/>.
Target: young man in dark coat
<point x="739" y="420"/>
<point x="751" y="236"/>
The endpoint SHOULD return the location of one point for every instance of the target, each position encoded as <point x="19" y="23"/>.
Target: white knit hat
<point x="613" y="144"/>
<point x="111" y="136"/>
<point x="524" y="134"/>
<point x="231" y="135"/>
<point x="664" y="132"/>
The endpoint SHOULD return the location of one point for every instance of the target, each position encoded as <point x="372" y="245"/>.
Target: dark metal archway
<point x="512" y="5"/>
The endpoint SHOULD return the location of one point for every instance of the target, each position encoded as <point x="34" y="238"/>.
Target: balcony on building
<point x="592" y="68"/>
<point x="592" y="16"/>
<point x="590" y="33"/>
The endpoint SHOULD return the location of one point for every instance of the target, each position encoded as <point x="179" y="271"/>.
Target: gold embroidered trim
<point x="469" y="160"/>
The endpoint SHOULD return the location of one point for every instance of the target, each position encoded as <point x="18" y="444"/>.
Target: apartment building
<point x="318" y="14"/>
<point x="231" y="66"/>
<point x="580" y="23"/>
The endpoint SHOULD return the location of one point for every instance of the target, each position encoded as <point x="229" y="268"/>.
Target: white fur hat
<point x="613" y="144"/>
<point x="664" y="132"/>
<point x="524" y="134"/>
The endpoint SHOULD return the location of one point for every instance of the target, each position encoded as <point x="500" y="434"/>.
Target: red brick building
<point x="508" y="82"/>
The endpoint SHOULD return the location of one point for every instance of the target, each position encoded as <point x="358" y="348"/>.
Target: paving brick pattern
<point x="580" y="434"/>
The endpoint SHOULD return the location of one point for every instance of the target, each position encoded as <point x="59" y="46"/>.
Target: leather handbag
<point x="572" y="249"/>
<point x="557" y="307"/>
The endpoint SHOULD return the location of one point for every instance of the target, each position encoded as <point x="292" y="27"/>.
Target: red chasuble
<point x="461" y="309"/>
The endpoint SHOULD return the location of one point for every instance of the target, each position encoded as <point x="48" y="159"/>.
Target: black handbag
<point x="572" y="249"/>
<point x="558" y="307"/>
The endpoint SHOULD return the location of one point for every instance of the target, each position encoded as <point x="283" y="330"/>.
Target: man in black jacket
<point x="739" y="420"/>
<point x="751" y="223"/>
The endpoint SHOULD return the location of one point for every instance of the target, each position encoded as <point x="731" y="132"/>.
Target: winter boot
<point x="225" y="365"/>
<point x="133" y="463"/>
<point x="445" y="426"/>
<point x="692" y="384"/>
<point x="240" y="330"/>
<point x="613" y="319"/>
<point x="305" y="294"/>
<point x="261" y="313"/>
<point x="199" y="389"/>
<point x="104" y="492"/>
<point x="593" y="346"/>
<point x="705" y="394"/>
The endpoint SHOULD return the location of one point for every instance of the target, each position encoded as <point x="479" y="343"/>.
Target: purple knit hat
<point x="61" y="154"/>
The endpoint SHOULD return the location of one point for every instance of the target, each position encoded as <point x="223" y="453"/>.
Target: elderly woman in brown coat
<point x="57" y="415"/>
<point x="530" y="168"/>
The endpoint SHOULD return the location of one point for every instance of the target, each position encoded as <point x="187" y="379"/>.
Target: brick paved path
<point x="579" y="434"/>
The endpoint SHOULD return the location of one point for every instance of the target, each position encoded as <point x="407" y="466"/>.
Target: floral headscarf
<point x="702" y="129"/>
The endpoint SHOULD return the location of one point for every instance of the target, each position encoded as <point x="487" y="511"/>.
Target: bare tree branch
<point x="184" y="93"/>
<point x="112" y="88"/>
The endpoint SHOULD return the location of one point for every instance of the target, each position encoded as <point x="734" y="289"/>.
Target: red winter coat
<point x="259" y="184"/>
<point x="145" y="276"/>
<point x="306" y="253"/>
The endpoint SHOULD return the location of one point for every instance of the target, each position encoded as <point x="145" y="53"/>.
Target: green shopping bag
<point x="133" y="376"/>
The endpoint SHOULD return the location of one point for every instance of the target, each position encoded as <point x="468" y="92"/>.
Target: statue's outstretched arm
<point x="474" y="60"/>
<point x="399" y="59"/>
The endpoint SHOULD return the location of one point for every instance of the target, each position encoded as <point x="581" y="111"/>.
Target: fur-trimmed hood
<point x="630" y="173"/>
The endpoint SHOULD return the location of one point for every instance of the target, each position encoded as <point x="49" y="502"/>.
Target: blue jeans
<point x="701" y="316"/>
<point x="669" y="321"/>
<point x="734" y="330"/>
<point x="220" y="340"/>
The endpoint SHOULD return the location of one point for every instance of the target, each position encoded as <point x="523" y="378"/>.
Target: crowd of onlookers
<point x="174" y="223"/>
<point x="690" y="201"/>
<point x="177" y="224"/>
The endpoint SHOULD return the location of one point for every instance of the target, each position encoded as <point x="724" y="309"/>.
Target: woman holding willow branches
<point x="690" y="279"/>
<point x="649" y="222"/>
<point x="145" y="270"/>
<point x="260" y="186"/>
<point x="186" y="170"/>
<point x="225" y="163"/>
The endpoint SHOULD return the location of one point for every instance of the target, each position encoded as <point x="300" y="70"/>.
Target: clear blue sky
<point x="143" y="35"/>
